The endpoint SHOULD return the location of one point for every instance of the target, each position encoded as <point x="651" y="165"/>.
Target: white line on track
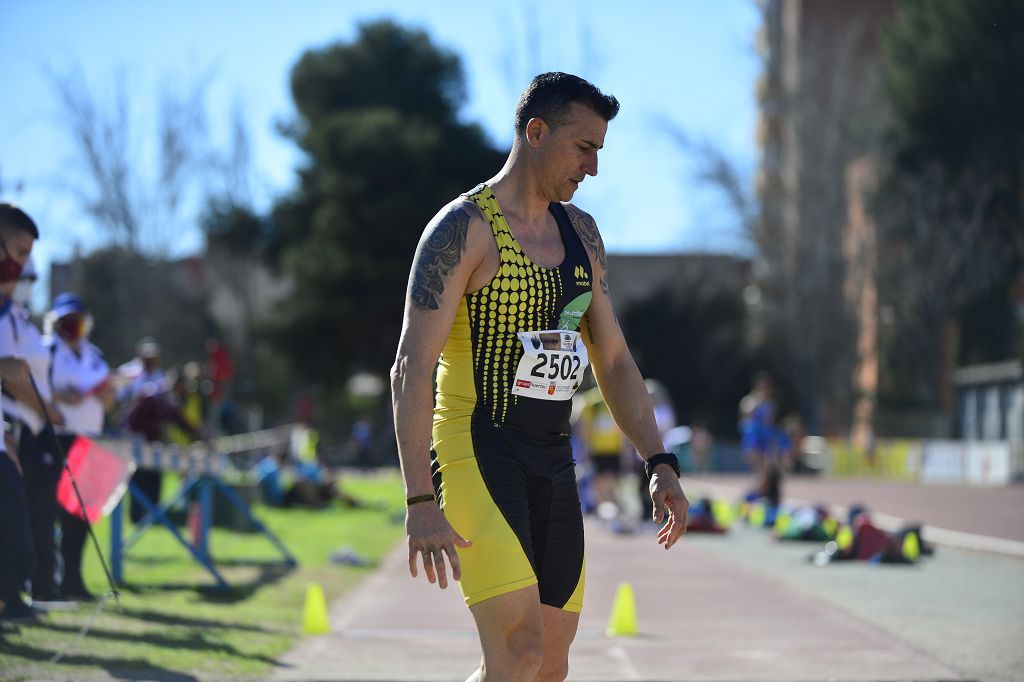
<point x="629" y="671"/>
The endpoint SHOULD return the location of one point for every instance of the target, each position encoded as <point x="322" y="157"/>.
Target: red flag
<point x="102" y="479"/>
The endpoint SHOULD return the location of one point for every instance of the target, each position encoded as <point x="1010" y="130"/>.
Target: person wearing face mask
<point x="80" y="381"/>
<point x="26" y="280"/>
<point x="18" y="233"/>
<point x="31" y="414"/>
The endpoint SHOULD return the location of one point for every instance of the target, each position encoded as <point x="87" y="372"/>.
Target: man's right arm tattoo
<point x="437" y="257"/>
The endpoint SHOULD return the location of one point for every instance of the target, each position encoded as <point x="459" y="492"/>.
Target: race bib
<point x="552" y="365"/>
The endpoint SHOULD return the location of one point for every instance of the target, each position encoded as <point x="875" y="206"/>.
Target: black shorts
<point x="514" y="497"/>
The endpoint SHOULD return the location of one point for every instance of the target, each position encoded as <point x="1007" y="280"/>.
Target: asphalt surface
<point x="735" y="607"/>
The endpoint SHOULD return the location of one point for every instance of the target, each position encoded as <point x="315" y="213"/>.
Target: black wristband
<point x="661" y="458"/>
<point x="419" y="498"/>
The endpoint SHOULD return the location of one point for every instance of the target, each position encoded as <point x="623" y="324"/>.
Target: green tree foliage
<point x="952" y="203"/>
<point x="953" y="81"/>
<point x="379" y="123"/>
<point x="237" y="229"/>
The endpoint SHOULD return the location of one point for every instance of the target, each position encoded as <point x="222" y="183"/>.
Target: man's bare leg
<point x="511" y="635"/>
<point x="559" y="632"/>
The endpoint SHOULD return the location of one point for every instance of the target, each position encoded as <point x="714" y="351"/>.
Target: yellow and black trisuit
<point x="501" y="461"/>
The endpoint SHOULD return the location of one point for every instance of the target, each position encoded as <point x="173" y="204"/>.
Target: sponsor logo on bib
<point x="522" y="384"/>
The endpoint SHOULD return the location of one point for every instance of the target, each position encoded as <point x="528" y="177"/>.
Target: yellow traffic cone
<point x="314" y="612"/>
<point x="623" y="619"/>
<point x="911" y="547"/>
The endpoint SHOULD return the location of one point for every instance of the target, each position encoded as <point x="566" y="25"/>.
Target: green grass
<point x="170" y="620"/>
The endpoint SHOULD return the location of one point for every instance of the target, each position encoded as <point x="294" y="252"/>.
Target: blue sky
<point x="687" y="62"/>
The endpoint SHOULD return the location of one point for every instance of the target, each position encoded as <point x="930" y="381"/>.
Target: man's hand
<point x="430" y="534"/>
<point x="666" y="492"/>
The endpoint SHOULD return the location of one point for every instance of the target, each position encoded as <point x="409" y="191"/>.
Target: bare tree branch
<point x="138" y="210"/>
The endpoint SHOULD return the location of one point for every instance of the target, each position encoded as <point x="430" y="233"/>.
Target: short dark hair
<point x="14" y="218"/>
<point x="550" y="95"/>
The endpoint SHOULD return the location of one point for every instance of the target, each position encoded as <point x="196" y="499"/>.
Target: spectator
<point x="32" y="416"/>
<point x="82" y="390"/>
<point x="312" y="484"/>
<point x="26" y="280"/>
<point x="188" y="397"/>
<point x="220" y="367"/>
<point x="151" y="412"/>
<point x="765" y="446"/>
<point x="18" y="233"/>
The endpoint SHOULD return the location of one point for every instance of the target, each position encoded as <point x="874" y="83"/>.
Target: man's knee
<point x="524" y="644"/>
<point x="518" y="653"/>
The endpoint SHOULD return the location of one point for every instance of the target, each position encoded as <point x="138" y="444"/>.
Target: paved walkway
<point x="702" y="616"/>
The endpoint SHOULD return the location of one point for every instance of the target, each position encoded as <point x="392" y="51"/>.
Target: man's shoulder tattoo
<point x="438" y="255"/>
<point x="586" y="227"/>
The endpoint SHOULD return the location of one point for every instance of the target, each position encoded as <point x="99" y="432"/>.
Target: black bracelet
<point x="661" y="458"/>
<point x="419" y="498"/>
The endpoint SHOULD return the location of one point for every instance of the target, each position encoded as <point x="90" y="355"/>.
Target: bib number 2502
<point x="555" y="365"/>
<point x="552" y="365"/>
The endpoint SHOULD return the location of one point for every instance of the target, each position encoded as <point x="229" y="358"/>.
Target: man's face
<point x="18" y="245"/>
<point x="567" y="154"/>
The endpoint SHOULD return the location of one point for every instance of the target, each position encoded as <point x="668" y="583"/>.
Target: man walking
<point x="508" y="297"/>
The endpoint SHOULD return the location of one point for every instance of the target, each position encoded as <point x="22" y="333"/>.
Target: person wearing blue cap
<point x="80" y="381"/>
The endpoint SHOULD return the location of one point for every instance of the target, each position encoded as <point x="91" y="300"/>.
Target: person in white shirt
<point x="18" y="233"/>
<point x="29" y="413"/>
<point x="82" y="389"/>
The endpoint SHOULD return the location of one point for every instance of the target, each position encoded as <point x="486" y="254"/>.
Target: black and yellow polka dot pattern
<point x="488" y="443"/>
<point x="522" y="296"/>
